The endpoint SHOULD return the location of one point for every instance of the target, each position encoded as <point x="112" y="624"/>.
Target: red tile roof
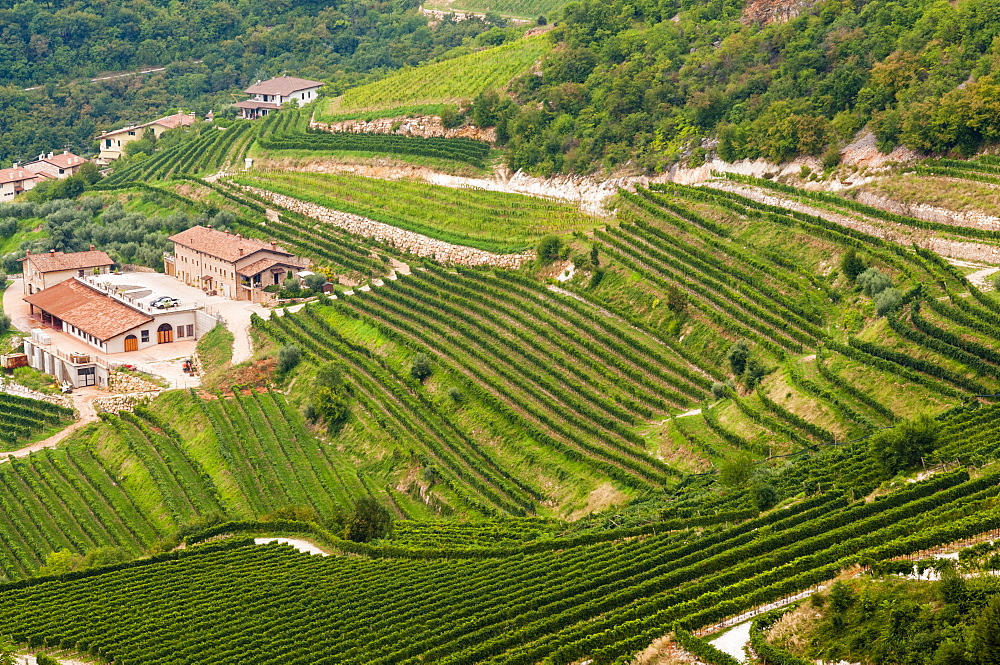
<point x="265" y="264"/>
<point x="283" y="85"/>
<point x="169" y="121"/>
<point x="15" y="175"/>
<point x="222" y="245"/>
<point x="64" y="161"/>
<point x="55" y="261"/>
<point x="88" y="309"/>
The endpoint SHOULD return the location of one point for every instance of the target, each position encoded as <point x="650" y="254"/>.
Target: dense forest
<point x="209" y="49"/>
<point x="658" y="80"/>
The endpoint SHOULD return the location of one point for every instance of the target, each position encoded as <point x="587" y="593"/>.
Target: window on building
<point x="180" y="331"/>
<point x="144" y="335"/>
<point x="79" y="273"/>
<point x="131" y="133"/>
<point x="190" y="330"/>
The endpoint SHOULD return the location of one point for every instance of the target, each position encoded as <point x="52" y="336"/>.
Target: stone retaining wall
<point x="929" y="213"/>
<point x="426" y="126"/>
<point x="407" y="241"/>
<point x="125" y="402"/>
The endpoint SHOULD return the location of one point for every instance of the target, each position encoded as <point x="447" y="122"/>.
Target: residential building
<point x="16" y="180"/>
<point x="58" y="166"/>
<point x="108" y="322"/>
<point x="268" y="96"/>
<point x="228" y="264"/>
<point x="42" y="271"/>
<point x="113" y="143"/>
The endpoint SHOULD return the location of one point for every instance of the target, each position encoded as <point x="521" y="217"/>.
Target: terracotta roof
<point x="169" y="121"/>
<point x="64" y="161"/>
<point x="265" y="264"/>
<point x="250" y="104"/>
<point x="222" y="245"/>
<point x="15" y="175"/>
<point x="174" y="121"/>
<point x="55" y="261"/>
<point x="283" y="85"/>
<point x="88" y="309"/>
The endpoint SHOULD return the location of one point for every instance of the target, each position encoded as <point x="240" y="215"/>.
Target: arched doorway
<point x="131" y="343"/>
<point x="164" y="334"/>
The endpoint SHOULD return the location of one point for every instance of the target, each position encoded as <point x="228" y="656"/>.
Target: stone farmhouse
<point x="270" y="95"/>
<point x="16" y="180"/>
<point x="42" y="271"/>
<point x="58" y="166"/>
<point x="219" y="262"/>
<point x="114" y="142"/>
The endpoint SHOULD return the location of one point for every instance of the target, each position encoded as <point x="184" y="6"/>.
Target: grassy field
<point x="526" y="9"/>
<point x="493" y="221"/>
<point x="451" y="81"/>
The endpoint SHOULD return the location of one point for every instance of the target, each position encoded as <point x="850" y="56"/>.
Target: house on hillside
<point x="270" y="95"/>
<point x="114" y="142"/>
<point x="16" y="180"/>
<point x="42" y="271"/>
<point x="58" y="166"/>
<point x="228" y="264"/>
<point x="106" y="322"/>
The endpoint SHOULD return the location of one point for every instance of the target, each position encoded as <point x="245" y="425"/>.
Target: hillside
<point x="520" y="9"/>
<point x="453" y="81"/>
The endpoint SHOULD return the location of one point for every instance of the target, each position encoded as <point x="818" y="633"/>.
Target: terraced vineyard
<point x="493" y="221"/>
<point x="601" y="601"/>
<point x="22" y="419"/>
<point x="460" y="150"/>
<point x="450" y="81"/>
<point x="527" y="9"/>
<point x="135" y="480"/>
<point x="207" y="153"/>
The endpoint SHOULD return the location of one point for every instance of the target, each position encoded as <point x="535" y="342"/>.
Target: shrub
<point x="288" y="357"/>
<point x="902" y="447"/>
<point x="873" y="281"/>
<point x="45" y="659"/>
<point x="421" y="368"/>
<point x="369" y="520"/>
<point x="548" y="249"/>
<point x="764" y="496"/>
<point x="736" y="471"/>
<point x="738" y="355"/>
<point x="887" y="300"/>
<point x="4" y="323"/>
<point x="720" y="390"/>
<point x="456" y="395"/>
<point x="851" y="264"/>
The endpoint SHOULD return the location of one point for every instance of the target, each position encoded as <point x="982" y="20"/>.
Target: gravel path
<point x="83" y="402"/>
<point x="734" y="640"/>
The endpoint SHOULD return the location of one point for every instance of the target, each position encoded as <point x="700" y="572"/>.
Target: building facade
<point x="42" y="271"/>
<point x="113" y="143"/>
<point x="268" y="96"/>
<point x="58" y="166"/>
<point x="16" y="180"/>
<point x="219" y="262"/>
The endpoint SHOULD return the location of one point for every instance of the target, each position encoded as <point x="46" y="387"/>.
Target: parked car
<point x="165" y="302"/>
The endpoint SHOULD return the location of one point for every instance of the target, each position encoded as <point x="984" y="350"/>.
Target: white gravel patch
<point x="734" y="640"/>
<point x="300" y="545"/>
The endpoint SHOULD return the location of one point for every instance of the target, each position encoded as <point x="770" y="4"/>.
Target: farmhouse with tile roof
<point x="269" y="95"/>
<point x="42" y="271"/>
<point x="114" y="142"/>
<point x="228" y="264"/>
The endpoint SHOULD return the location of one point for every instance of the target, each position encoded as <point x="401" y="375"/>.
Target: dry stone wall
<point x="426" y="126"/>
<point x="407" y="241"/>
<point x="929" y="213"/>
<point x="127" y="402"/>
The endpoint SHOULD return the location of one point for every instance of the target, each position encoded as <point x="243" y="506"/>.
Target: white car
<point x="165" y="302"/>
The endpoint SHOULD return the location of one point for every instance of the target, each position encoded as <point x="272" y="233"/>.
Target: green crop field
<point x="450" y="81"/>
<point x="23" y="419"/>
<point x="493" y="221"/>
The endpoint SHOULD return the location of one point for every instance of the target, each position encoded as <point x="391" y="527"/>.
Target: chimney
<point x="28" y="253"/>
<point x="227" y="231"/>
<point x="52" y="252"/>
<point x="241" y="251"/>
<point x="209" y="226"/>
<point x="274" y="245"/>
<point x="92" y="248"/>
<point x="16" y="165"/>
<point x="66" y="152"/>
<point x="239" y="235"/>
<point x="50" y="155"/>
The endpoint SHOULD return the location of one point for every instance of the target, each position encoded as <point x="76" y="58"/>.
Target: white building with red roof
<point x="268" y="96"/>
<point x="58" y="166"/>
<point x="15" y="180"/>
<point x="113" y="143"/>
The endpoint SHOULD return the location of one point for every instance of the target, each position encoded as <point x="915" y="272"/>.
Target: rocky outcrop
<point x="763" y="12"/>
<point x="123" y="382"/>
<point x="426" y="126"/>
<point x="407" y="241"/>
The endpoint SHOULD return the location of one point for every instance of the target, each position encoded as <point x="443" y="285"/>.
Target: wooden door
<point x="165" y="334"/>
<point x="131" y="343"/>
